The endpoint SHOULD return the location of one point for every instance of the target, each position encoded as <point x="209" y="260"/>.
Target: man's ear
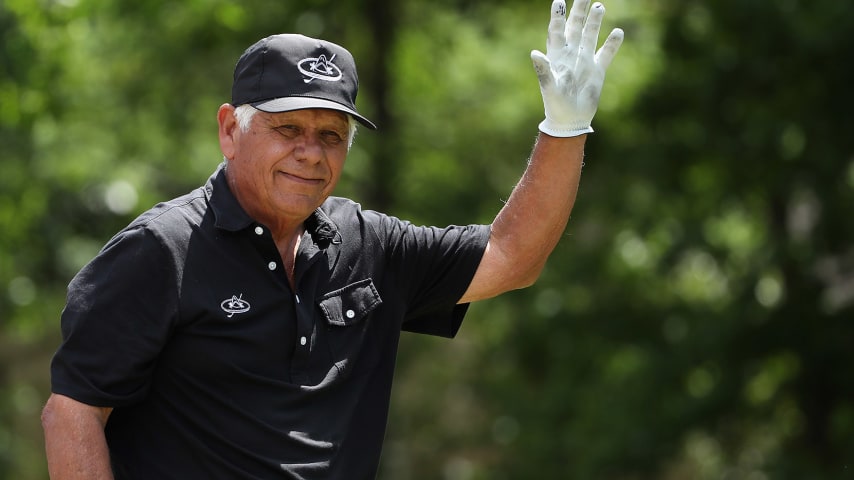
<point x="228" y="128"/>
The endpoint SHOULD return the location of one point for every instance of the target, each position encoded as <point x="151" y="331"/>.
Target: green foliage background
<point x="696" y="322"/>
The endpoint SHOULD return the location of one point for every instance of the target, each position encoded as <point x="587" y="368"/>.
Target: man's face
<point x="286" y="164"/>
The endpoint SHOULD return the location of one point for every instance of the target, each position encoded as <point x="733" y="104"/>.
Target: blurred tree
<point x="693" y="323"/>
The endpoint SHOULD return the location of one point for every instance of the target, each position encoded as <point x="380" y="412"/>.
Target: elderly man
<point x="249" y="328"/>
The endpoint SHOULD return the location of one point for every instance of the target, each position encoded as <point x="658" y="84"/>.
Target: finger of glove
<point x="543" y="68"/>
<point x="609" y="49"/>
<point x="591" y="29"/>
<point x="575" y="23"/>
<point x="557" y="35"/>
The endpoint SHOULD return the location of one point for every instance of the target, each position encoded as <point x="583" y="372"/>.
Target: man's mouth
<point x="299" y="179"/>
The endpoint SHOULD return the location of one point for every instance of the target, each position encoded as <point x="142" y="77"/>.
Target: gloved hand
<point x="571" y="72"/>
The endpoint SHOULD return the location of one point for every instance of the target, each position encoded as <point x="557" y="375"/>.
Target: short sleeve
<point x="434" y="267"/>
<point x="119" y="312"/>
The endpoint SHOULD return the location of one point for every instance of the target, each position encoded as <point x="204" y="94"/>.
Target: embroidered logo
<point x="234" y="305"/>
<point x="319" y="68"/>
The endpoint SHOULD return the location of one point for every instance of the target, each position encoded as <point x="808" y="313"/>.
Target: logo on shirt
<point x="234" y="305"/>
<point x="319" y="69"/>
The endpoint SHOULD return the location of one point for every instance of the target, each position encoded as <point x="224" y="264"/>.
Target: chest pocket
<point x="351" y="304"/>
<point x="346" y="311"/>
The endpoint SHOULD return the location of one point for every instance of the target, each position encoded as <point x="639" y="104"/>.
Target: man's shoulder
<point x="171" y="222"/>
<point x="351" y="217"/>
<point x="340" y="206"/>
<point x="345" y="209"/>
<point x="187" y="209"/>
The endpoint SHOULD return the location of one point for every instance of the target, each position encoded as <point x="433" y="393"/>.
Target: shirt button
<point x="350" y="314"/>
<point x="271" y="265"/>
<point x="259" y="231"/>
<point x="303" y="340"/>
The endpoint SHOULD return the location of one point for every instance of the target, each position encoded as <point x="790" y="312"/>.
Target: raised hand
<point x="571" y="72"/>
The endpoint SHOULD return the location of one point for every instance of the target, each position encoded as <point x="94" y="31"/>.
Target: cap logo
<point x="319" y="68"/>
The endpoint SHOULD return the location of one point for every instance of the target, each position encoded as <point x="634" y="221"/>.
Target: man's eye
<point x="333" y="137"/>
<point x="289" y="131"/>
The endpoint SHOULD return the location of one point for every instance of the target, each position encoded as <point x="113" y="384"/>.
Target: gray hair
<point x="245" y="113"/>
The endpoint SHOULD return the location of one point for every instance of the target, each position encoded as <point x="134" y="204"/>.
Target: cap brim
<point x="287" y="104"/>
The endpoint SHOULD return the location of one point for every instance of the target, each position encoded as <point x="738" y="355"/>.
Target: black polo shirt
<point x="216" y="368"/>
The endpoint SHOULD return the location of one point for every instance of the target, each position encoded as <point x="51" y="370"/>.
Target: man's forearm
<point x="530" y="224"/>
<point x="75" y="444"/>
<point x="535" y="217"/>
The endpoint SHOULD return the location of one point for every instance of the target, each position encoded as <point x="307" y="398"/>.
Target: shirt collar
<point x="229" y="215"/>
<point x="323" y="230"/>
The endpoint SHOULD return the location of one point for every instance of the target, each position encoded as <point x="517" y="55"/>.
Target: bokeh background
<point x="697" y="320"/>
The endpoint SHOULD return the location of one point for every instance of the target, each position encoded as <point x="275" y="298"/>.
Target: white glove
<point x="570" y="74"/>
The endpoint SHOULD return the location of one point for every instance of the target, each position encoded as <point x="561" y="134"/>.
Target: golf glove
<point x="571" y="72"/>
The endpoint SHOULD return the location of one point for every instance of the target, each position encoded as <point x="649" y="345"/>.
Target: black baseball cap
<point x="288" y="72"/>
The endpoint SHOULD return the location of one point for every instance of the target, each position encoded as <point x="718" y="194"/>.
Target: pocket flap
<point x="350" y="304"/>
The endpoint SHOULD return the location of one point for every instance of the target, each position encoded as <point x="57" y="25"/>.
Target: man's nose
<point x="309" y="149"/>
